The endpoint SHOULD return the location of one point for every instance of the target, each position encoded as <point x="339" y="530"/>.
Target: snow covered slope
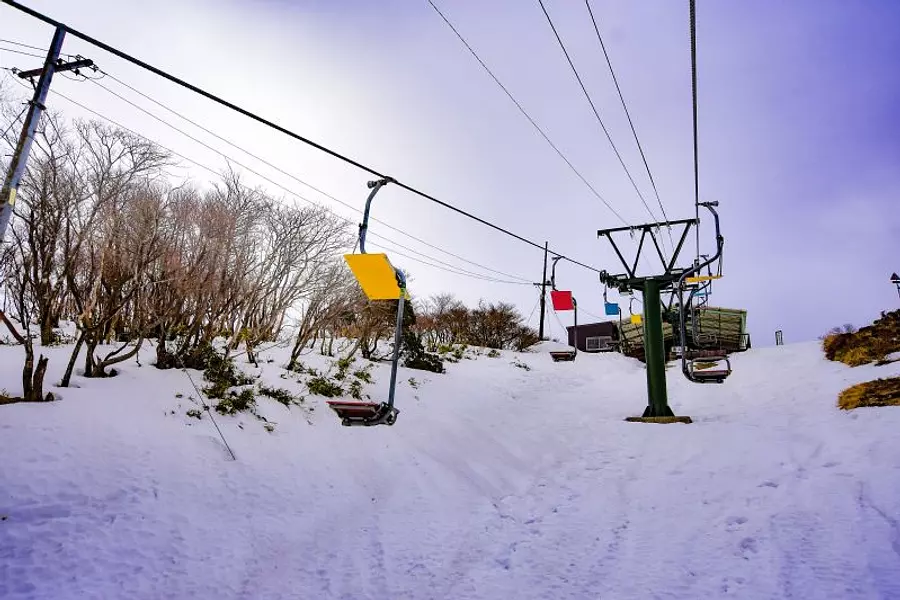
<point x="496" y="482"/>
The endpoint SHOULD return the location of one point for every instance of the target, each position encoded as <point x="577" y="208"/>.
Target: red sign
<point x="562" y="300"/>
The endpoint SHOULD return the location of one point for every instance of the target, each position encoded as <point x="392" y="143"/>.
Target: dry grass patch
<point x="869" y="344"/>
<point x="881" y="392"/>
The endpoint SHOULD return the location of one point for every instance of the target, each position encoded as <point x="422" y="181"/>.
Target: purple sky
<point x="799" y="114"/>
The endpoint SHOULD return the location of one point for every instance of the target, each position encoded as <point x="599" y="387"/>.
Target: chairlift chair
<point x="716" y="374"/>
<point x="379" y="281"/>
<point x="691" y="367"/>
<point x="563" y="300"/>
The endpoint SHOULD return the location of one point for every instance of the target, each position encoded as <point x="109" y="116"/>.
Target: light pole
<point x="895" y="279"/>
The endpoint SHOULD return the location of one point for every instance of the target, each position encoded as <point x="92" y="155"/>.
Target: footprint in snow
<point x="747" y="547"/>
<point x="734" y="523"/>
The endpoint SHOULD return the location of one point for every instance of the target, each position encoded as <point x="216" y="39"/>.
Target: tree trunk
<point x="114" y="358"/>
<point x="12" y="328"/>
<point x="89" y="358"/>
<point x="33" y="377"/>
<point x="67" y="376"/>
<point x="46" y="329"/>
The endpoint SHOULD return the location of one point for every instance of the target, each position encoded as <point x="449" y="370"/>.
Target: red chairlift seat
<point x="364" y="413"/>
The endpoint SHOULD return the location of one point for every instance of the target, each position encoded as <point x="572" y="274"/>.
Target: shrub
<point x="355" y="389"/>
<point x="494" y="353"/>
<point x="222" y="375"/>
<point x="278" y="394"/>
<point x="416" y="357"/>
<point x="322" y="386"/>
<point x="343" y="365"/>
<point x="195" y="413"/>
<point x="364" y="374"/>
<point x="236" y="402"/>
<point x="881" y="392"/>
<point x="521" y="365"/>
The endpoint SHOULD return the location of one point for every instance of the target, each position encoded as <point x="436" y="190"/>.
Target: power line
<point x="594" y="108"/>
<point x="628" y="115"/>
<point x="276" y="127"/>
<point x="531" y="314"/>
<point x="23" y="53"/>
<point x="23" y="45"/>
<point x="288" y="174"/>
<point x="29" y="46"/>
<point x="289" y="191"/>
<point x="448" y="268"/>
<point x="525" y="113"/>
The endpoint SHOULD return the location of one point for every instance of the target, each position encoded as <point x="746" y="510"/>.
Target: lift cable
<point x="279" y="128"/>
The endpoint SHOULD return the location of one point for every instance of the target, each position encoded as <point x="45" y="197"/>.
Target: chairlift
<point x="611" y="309"/>
<point x="563" y="300"/>
<point x="635" y="318"/>
<point x="715" y="373"/>
<point x="379" y="280"/>
<point x="696" y="369"/>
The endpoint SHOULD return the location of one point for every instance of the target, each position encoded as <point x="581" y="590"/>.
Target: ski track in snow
<point x="495" y="483"/>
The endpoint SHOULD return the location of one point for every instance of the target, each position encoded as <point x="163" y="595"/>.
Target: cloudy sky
<point x="799" y="114"/>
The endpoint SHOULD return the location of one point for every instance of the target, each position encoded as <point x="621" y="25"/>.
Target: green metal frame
<point x="651" y="288"/>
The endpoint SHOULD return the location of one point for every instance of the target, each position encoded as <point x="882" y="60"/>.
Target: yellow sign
<point x="375" y="275"/>
<point x="12" y="197"/>
<point x="635" y="319"/>
<point x="702" y="278"/>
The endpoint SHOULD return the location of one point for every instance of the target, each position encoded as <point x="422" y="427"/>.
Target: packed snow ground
<point x="496" y="482"/>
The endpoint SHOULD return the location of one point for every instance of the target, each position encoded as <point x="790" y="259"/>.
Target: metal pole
<point x="575" y="327"/>
<point x="543" y="292"/>
<point x="23" y="147"/>
<point x="654" y="353"/>
<point x="398" y="332"/>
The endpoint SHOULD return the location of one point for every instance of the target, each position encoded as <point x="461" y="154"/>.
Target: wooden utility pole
<point x="543" y="285"/>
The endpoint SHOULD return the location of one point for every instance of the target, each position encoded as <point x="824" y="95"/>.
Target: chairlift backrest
<point x="562" y="300"/>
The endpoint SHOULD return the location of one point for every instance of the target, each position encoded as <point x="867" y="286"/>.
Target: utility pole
<point x="36" y="108"/>
<point x="543" y="285"/>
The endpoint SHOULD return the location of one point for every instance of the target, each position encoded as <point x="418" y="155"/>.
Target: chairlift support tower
<point x="651" y="287"/>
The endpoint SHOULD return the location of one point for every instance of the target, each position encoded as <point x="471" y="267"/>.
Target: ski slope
<point x="496" y="483"/>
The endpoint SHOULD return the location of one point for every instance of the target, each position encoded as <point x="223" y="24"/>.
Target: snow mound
<point x="549" y="346"/>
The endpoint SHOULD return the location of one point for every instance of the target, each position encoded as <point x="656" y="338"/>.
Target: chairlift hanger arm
<point x="364" y="226"/>
<point x="555" y="260"/>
